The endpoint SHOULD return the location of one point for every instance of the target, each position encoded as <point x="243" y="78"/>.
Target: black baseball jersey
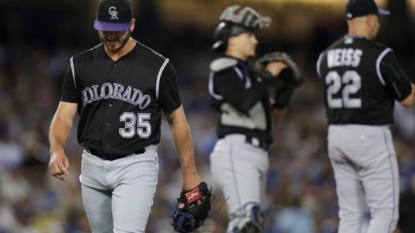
<point x="362" y="79"/>
<point x="241" y="99"/>
<point x="120" y="102"/>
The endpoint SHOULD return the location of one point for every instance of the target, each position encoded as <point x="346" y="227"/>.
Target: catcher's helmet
<point x="235" y="20"/>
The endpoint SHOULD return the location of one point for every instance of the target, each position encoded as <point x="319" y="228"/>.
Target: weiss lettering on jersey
<point x="344" y="57"/>
<point x="115" y="91"/>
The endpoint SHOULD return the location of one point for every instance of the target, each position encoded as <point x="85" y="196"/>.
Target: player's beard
<point x="116" y="43"/>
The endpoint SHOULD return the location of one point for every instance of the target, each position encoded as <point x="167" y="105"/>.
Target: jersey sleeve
<point x="69" y="93"/>
<point x="319" y="64"/>
<point x="229" y="85"/>
<point x="394" y="77"/>
<point x="169" y="96"/>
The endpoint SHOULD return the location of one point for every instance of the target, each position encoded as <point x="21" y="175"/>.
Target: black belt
<point x="99" y="154"/>
<point x="256" y="142"/>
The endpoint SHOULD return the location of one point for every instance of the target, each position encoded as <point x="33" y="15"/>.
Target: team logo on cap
<point x="112" y="11"/>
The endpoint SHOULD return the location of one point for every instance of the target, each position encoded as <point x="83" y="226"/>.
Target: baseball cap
<point x="358" y="8"/>
<point x="113" y="16"/>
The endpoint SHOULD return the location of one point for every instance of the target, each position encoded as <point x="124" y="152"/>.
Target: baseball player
<point x="239" y="161"/>
<point x="118" y="88"/>
<point x="362" y="79"/>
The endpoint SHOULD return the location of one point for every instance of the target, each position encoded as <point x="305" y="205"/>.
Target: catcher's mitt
<point x="192" y="209"/>
<point x="291" y="75"/>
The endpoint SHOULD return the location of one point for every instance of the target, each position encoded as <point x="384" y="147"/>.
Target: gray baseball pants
<point x="366" y="172"/>
<point x="240" y="170"/>
<point x="118" y="195"/>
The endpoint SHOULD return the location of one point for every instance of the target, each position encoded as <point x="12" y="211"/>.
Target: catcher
<point x="239" y="93"/>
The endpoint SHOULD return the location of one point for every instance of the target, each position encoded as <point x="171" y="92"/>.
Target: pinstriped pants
<point x="366" y="172"/>
<point x="118" y="195"/>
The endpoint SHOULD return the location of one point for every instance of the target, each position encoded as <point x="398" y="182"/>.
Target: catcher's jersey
<point x="241" y="100"/>
<point x="362" y="79"/>
<point x="119" y="102"/>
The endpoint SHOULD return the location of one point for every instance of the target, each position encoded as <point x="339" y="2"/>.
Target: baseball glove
<point x="291" y="75"/>
<point x="192" y="209"/>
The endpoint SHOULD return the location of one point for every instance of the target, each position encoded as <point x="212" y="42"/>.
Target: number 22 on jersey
<point x="348" y="83"/>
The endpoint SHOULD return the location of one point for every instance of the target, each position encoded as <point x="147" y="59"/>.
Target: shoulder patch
<point x="222" y="64"/>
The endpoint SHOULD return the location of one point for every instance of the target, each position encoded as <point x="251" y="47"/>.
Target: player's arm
<point x="397" y="81"/>
<point x="232" y="87"/>
<point x="410" y="100"/>
<point x="61" y="126"/>
<point x="59" y="131"/>
<point x="282" y="96"/>
<point x="170" y="102"/>
<point x="183" y="142"/>
<point x="281" y="99"/>
<point x="277" y="114"/>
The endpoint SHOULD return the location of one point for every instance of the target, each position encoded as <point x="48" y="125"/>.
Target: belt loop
<point x="248" y="139"/>
<point x="256" y="142"/>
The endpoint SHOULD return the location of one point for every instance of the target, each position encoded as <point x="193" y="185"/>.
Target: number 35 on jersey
<point x="135" y="124"/>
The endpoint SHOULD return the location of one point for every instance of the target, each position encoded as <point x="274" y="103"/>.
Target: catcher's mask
<point x="236" y="20"/>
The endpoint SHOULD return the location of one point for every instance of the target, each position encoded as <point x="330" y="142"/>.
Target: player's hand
<point x="59" y="165"/>
<point x="275" y="67"/>
<point x="191" y="181"/>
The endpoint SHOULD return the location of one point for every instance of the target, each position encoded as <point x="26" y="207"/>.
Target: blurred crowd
<point x="300" y="195"/>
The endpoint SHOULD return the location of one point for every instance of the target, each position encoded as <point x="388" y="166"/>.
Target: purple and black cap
<point x="114" y="16"/>
<point x="358" y="8"/>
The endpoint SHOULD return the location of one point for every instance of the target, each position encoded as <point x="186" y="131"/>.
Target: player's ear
<point x="231" y="41"/>
<point x="370" y="20"/>
<point x="132" y="25"/>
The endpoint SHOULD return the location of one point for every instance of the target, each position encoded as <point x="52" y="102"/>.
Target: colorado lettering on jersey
<point x="344" y="57"/>
<point x="115" y="91"/>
